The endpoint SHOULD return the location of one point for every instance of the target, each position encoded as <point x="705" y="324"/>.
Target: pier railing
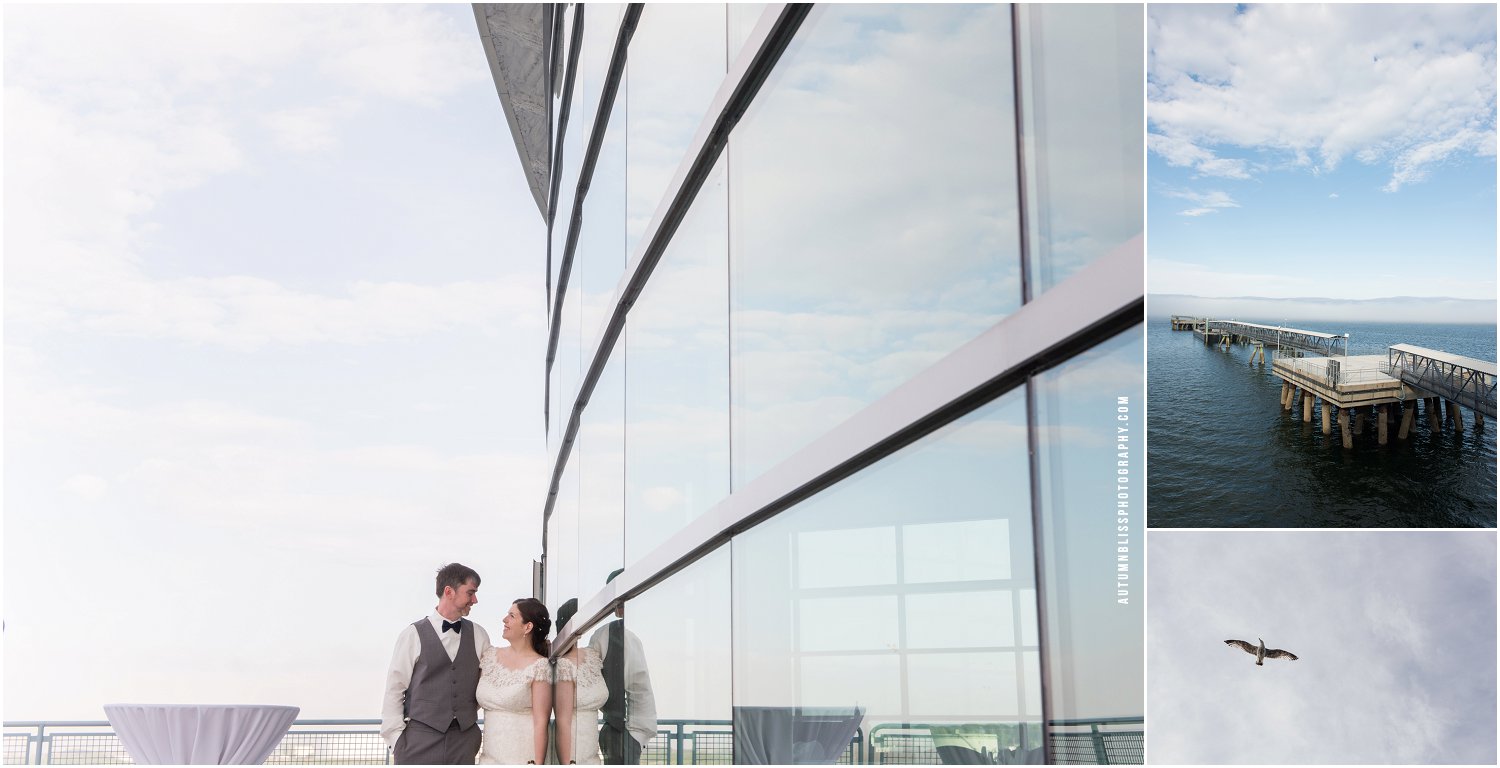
<point x="1099" y="741"/>
<point x="1325" y="344"/>
<point x="1469" y="383"/>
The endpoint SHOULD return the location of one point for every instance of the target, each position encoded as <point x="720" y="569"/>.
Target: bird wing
<point x="1242" y="645"/>
<point x="1277" y="653"/>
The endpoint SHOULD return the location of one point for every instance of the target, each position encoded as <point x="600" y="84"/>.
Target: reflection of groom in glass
<point x="630" y="713"/>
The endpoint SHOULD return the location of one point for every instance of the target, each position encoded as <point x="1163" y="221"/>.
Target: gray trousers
<point x="421" y="744"/>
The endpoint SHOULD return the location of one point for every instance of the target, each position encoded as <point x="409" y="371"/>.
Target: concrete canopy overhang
<point x="515" y="43"/>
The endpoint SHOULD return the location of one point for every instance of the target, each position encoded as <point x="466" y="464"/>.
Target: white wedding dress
<point x="590" y="694"/>
<point x="505" y="695"/>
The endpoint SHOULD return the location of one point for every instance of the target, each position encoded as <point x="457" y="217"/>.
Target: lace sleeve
<point x="566" y="671"/>
<point x="541" y="671"/>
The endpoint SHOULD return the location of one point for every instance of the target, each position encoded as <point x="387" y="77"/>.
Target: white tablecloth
<point x="196" y="734"/>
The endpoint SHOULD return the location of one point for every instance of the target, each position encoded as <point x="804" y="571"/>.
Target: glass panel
<point x="601" y="245"/>
<point x="1090" y="456"/>
<point x="1082" y="111"/>
<point x="874" y="225"/>
<point x="562" y="542"/>
<point x="601" y="456"/>
<point x="561" y="43"/>
<point x="741" y="20"/>
<point x="601" y="29"/>
<point x="568" y="362"/>
<point x="571" y="160"/>
<point x="840" y="610"/>
<point x="678" y="665"/>
<point x="676" y="66"/>
<point x="961" y="619"/>
<point x="677" y="465"/>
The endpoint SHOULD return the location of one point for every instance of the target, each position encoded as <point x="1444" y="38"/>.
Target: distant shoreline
<point x="1395" y="309"/>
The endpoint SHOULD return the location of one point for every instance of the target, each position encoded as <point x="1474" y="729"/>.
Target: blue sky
<point x="1394" y="630"/>
<point x="1342" y="151"/>
<point x="274" y="293"/>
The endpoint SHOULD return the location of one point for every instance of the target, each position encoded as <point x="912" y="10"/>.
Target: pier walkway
<point x="1461" y="380"/>
<point x="1278" y="337"/>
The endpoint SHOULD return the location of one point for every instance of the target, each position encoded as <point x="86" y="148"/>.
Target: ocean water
<point x="1222" y="453"/>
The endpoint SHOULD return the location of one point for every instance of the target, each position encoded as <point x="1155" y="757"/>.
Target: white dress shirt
<point x="641" y="716"/>
<point x="408" y="648"/>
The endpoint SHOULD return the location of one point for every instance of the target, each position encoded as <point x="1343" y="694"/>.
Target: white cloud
<point x="1208" y="202"/>
<point x="309" y="129"/>
<point x="1408" y="86"/>
<point x="1180" y="152"/>
<point x="111" y="110"/>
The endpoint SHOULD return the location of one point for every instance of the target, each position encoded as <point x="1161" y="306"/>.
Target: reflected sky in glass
<point x="600" y="258"/>
<point x="1083" y="116"/>
<point x="873" y="216"/>
<point x="677" y="339"/>
<point x="742" y="18"/>
<point x="601" y="28"/>
<point x="600" y="455"/>
<point x="676" y="66"/>
<point x="1096" y="647"/>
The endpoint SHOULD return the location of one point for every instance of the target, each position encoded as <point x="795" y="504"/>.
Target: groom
<point x="429" y="712"/>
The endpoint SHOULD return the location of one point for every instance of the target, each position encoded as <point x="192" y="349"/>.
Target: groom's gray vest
<point x="441" y="690"/>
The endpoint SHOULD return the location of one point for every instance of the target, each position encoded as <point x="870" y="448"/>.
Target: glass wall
<point x="601" y="29"/>
<point x="1089" y="423"/>
<point x="562" y="543"/>
<point x="600" y="457"/>
<point x="742" y="18"/>
<point x="863" y="223"/>
<point x="676" y="66"/>
<point x="600" y="260"/>
<point x="1084" y="121"/>
<point x="904" y="594"/>
<point x="873" y="215"/>
<point x="677" y="342"/>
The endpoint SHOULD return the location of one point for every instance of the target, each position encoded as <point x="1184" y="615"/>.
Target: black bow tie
<point x="456" y="626"/>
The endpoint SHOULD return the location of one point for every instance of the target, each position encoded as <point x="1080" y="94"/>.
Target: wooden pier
<point x="1388" y="391"/>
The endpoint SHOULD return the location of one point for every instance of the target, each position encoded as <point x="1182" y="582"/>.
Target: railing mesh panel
<point x="329" y="748"/>
<point x="86" y="749"/>
<point x="17" y="748"/>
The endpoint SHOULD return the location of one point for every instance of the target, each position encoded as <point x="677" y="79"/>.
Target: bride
<point x="581" y="692"/>
<point x="515" y="688"/>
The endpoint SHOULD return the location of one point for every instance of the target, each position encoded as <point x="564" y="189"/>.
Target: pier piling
<point x="1327" y="418"/>
<point x="1380" y="425"/>
<point x="1359" y="422"/>
<point x="1348" y="438"/>
<point x="1307" y="406"/>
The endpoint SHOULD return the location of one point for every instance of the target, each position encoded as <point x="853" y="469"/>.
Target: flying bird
<point x="1261" y="652"/>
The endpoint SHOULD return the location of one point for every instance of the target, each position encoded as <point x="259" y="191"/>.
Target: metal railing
<point x="94" y="742"/>
<point x="1324" y="344"/>
<point x="1105" y="741"/>
<point x="1470" y="388"/>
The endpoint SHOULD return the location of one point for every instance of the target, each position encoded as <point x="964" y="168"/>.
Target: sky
<point x="1339" y="151"/>
<point x="1394" y="630"/>
<point x="274" y="327"/>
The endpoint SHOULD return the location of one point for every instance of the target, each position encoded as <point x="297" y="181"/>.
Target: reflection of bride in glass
<point x="580" y="693"/>
<point x="515" y="688"/>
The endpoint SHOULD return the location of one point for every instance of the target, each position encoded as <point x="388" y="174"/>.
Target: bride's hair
<point x="534" y="613"/>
